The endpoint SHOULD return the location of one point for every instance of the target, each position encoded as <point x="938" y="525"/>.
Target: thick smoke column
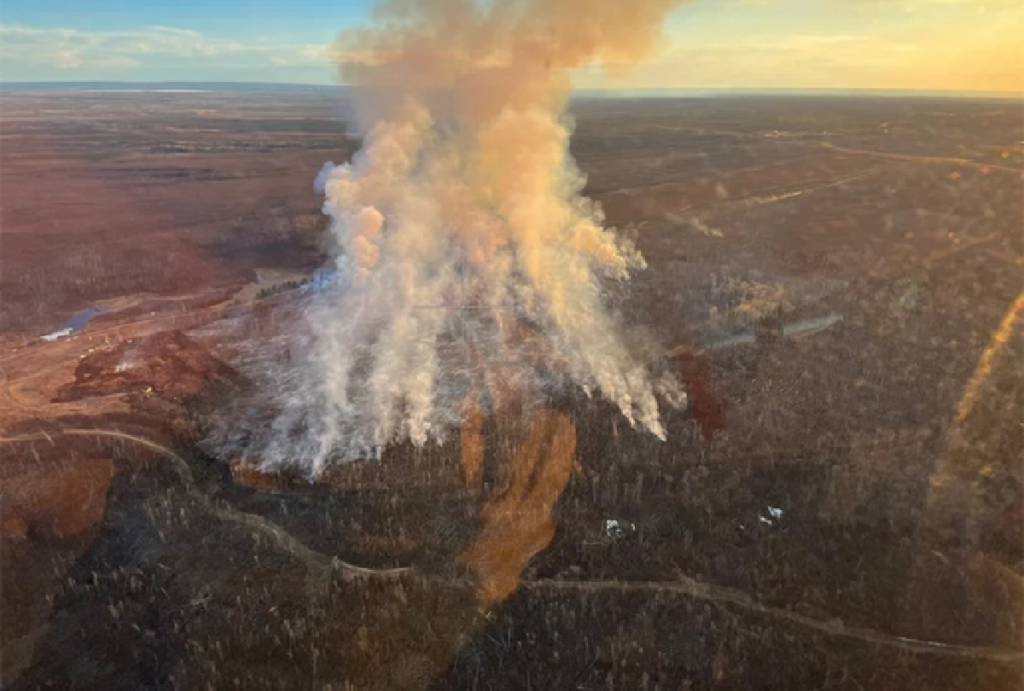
<point x="465" y="251"/>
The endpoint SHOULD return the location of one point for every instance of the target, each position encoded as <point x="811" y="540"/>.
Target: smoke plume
<point x="467" y="258"/>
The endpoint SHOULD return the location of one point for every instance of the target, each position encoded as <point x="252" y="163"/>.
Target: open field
<point x="837" y="279"/>
<point x="115" y="194"/>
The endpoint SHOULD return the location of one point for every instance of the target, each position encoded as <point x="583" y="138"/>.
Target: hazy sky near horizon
<point x="957" y="45"/>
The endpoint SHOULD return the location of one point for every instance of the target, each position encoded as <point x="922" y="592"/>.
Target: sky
<point x="932" y="45"/>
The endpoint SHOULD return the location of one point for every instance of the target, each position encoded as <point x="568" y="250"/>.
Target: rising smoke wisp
<point x="465" y="252"/>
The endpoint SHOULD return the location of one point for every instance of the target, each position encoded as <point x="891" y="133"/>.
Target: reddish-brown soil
<point x="62" y="502"/>
<point x="168" y="364"/>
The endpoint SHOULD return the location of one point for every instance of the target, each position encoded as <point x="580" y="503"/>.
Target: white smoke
<point x="465" y="252"/>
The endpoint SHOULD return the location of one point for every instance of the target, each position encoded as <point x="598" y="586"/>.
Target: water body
<point x="77" y="322"/>
<point x="80" y="320"/>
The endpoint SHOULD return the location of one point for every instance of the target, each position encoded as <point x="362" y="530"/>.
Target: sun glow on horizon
<point x="928" y="45"/>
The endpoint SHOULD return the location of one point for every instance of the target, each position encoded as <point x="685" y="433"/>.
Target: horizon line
<point x="618" y="92"/>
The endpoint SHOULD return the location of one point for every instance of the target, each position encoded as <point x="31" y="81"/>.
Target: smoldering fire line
<point x="464" y="190"/>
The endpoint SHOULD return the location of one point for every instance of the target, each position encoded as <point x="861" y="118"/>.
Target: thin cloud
<point x="73" y="49"/>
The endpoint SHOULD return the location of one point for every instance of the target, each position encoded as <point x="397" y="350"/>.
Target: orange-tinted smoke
<point x="490" y="55"/>
<point x="465" y="188"/>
